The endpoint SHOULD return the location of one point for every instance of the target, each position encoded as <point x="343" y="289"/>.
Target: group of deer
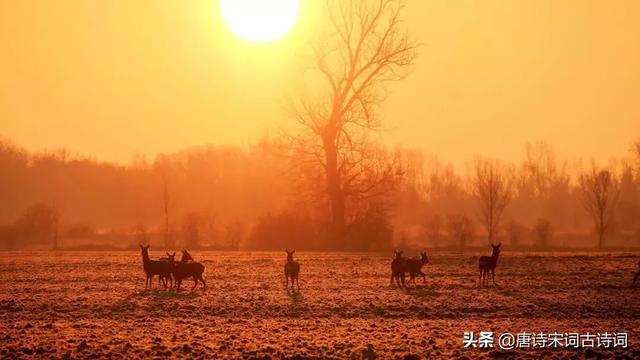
<point x="171" y="273"/>
<point x="400" y="266"/>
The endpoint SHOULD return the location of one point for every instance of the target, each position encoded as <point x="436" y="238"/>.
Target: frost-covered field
<point x="87" y="305"/>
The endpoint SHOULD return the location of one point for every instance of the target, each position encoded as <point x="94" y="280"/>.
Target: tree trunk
<point x="334" y="191"/>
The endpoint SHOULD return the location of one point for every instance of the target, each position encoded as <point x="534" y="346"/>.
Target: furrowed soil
<point x="95" y="305"/>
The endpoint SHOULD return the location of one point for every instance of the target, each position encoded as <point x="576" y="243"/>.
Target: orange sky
<point x="114" y="79"/>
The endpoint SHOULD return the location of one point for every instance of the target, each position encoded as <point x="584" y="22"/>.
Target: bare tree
<point x="492" y="187"/>
<point x="600" y="191"/>
<point x="162" y="166"/>
<point x="433" y="227"/>
<point x="460" y="229"/>
<point x="543" y="232"/>
<point x="635" y="150"/>
<point x="191" y="230"/>
<point x="363" y="48"/>
<point x="234" y="232"/>
<point x="515" y="232"/>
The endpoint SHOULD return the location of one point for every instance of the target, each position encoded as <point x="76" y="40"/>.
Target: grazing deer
<point x="291" y="270"/>
<point x="414" y="267"/>
<point x="154" y="267"/>
<point x="637" y="274"/>
<point x="488" y="264"/>
<point x="186" y="268"/>
<point x="398" y="268"/>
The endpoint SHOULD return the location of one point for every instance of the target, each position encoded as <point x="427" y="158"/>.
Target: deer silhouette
<point x="488" y="264"/>
<point x="414" y="267"/>
<point x="186" y="268"/>
<point x="291" y="270"/>
<point x="398" y="268"/>
<point x="154" y="267"/>
<point x="637" y="275"/>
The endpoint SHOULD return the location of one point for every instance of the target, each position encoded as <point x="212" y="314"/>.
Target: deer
<point x="168" y="278"/>
<point x="186" y="268"/>
<point x="414" y="267"/>
<point x="488" y="264"/>
<point x="398" y="268"/>
<point x="291" y="270"/>
<point x="637" y="275"/>
<point x="154" y="267"/>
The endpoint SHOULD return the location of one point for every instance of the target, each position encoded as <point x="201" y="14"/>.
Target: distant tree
<point x="364" y="48"/>
<point x="285" y="230"/>
<point x="635" y="150"/>
<point x="460" y="229"/>
<point x="371" y="229"/>
<point x="234" y="232"/>
<point x="600" y="192"/>
<point x="543" y="232"/>
<point x="515" y="232"/>
<point x="492" y="187"/>
<point x="38" y="225"/>
<point x="191" y="230"/>
<point x="162" y="166"/>
<point x="433" y="228"/>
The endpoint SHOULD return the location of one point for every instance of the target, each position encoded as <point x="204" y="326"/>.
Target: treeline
<point x="259" y="197"/>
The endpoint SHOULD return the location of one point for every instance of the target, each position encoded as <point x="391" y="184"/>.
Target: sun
<point x="260" y="20"/>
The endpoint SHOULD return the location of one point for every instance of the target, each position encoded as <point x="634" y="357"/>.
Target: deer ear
<point x="499" y="244"/>
<point x="168" y="254"/>
<point x="141" y="247"/>
<point x="174" y="254"/>
<point x="293" y="252"/>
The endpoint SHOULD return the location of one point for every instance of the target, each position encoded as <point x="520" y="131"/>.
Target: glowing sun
<point x="260" y="20"/>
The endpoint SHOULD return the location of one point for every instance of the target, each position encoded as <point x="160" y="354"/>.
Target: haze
<point x="118" y="79"/>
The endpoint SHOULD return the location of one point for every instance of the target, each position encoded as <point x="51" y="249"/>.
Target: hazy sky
<point x="114" y="79"/>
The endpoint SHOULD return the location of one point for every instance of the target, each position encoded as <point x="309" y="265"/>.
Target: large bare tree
<point x="363" y="47"/>
<point x="600" y="190"/>
<point x="492" y="187"/>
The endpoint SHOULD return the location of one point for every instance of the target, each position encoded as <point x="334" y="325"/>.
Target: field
<point x="88" y="305"/>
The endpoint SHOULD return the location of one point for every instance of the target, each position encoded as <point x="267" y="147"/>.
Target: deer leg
<point x="204" y="284"/>
<point x="480" y="277"/>
<point x="636" y="277"/>
<point x="493" y="275"/>
<point x="298" y="283"/>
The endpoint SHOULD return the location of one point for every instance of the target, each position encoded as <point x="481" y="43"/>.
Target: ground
<point x="88" y="305"/>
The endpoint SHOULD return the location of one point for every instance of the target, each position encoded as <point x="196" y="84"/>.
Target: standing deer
<point x="488" y="264"/>
<point x="414" y="267"/>
<point x="291" y="270"/>
<point x="637" y="275"/>
<point x="154" y="267"/>
<point x="186" y="268"/>
<point x="398" y="268"/>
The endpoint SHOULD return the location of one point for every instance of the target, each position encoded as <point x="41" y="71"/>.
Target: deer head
<point x="423" y="257"/>
<point x="289" y="254"/>
<point x="398" y="253"/>
<point x="496" y="249"/>
<point x="172" y="257"/>
<point x="186" y="256"/>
